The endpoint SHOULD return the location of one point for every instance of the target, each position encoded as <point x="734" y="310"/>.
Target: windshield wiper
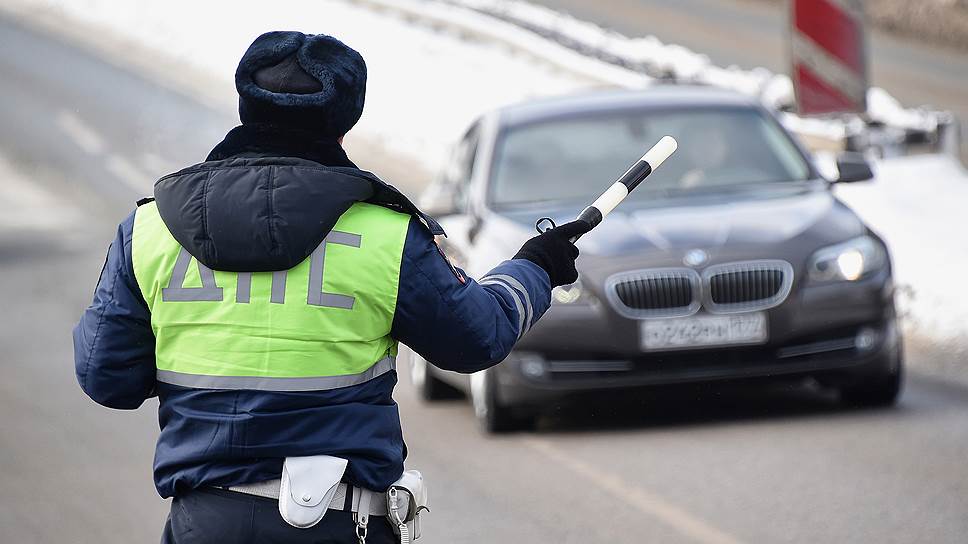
<point x="535" y="203"/>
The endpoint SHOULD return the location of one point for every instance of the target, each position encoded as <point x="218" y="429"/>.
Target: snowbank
<point x="651" y="56"/>
<point x="918" y="205"/>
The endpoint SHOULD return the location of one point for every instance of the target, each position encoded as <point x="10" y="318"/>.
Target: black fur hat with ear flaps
<point x="308" y="81"/>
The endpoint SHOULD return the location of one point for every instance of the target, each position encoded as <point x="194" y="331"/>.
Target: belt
<point x="347" y="497"/>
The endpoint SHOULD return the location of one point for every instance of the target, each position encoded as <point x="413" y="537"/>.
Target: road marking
<point x="154" y="163"/>
<point x="88" y="139"/>
<point x="129" y="174"/>
<point x="28" y="205"/>
<point x="647" y="503"/>
<point x="80" y="133"/>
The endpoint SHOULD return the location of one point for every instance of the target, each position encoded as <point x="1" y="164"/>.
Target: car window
<point x="573" y="158"/>
<point x="461" y="167"/>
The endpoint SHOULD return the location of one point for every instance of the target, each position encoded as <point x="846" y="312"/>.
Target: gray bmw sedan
<point x="732" y="261"/>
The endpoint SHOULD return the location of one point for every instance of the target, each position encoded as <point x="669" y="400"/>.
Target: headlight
<point x="850" y="260"/>
<point x="570" y="294"/>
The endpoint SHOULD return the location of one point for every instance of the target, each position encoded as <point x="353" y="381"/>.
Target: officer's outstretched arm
<point x="460" y="324"/>
<point x="114" y="347"/>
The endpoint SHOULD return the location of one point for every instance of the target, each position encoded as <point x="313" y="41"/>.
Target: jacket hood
<point x="257" y="214"/>
<point x="267" y="196"/>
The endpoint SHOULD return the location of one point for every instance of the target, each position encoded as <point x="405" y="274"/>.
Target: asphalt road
<point x="80" y="139"/>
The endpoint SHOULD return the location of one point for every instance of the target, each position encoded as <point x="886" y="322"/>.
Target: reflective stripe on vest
<point x="323" y="324"/>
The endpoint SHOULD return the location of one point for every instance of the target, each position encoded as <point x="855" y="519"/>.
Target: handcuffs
<point x="309" y="484"/>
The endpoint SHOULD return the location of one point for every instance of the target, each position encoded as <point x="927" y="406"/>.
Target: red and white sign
<point x="829" y="56"/>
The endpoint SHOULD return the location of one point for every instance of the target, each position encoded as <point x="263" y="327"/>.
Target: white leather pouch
<point x="308" y="486"/>
<point x="406" y="499"/>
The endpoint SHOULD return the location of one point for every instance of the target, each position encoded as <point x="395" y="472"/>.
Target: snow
<point x="428" y="81"/>
<point x="917" y="204"/>
<point x="424" y="86"/>
<point x="775" y="90"/>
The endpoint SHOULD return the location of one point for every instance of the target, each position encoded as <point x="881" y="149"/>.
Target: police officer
<point x="261" y="294"/>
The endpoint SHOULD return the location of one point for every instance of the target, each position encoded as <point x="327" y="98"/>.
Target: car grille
<point x="745" y="286"/>
<point x="678" y="292"/>
<point x="655" y="293"/>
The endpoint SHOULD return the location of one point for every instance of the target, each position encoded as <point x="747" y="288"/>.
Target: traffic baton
<point x="614" y="195"/>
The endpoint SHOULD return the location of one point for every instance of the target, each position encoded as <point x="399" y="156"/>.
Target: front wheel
<point x="881" y="389"/>
<point x="429" y="388"/>
<point x="492" y="416"/>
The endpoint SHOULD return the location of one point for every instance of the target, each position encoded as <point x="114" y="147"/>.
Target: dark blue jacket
<point x="222" y="437"/>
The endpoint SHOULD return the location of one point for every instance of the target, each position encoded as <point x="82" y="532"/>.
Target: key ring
<point x="546" y="222"/>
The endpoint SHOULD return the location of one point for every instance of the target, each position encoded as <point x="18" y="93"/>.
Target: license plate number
<point x="703" y="330"/>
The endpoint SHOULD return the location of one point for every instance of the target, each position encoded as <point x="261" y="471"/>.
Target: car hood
<point x="757" y="223"/>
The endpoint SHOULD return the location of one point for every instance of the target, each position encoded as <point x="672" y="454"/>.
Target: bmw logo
<point x="695" y="257"/>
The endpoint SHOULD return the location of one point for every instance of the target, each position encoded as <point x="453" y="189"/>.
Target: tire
<point x="492" y="416"/>
<point x="429" y="388"/>
<point x="878" y="390"/>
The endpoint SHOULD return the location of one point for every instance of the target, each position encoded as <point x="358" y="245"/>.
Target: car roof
<point x="656" y="97"/>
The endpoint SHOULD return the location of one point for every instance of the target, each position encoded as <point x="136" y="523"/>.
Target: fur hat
<point x="313" y="81"/>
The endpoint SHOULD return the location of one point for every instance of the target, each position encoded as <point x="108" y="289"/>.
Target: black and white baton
<point x="614" y="195"/>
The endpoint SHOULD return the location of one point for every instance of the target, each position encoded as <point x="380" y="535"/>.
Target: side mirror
<point x="853" y="167"/>
<point x="439" y="199"/>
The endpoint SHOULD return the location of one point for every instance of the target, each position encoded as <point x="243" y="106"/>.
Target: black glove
<point x="553" y="251"/>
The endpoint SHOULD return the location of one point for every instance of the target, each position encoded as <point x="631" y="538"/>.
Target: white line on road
<point x="26" y="204"/>
<point x="647" y="503"/>
<point x="129" y="174"/>
<point x="88" y="139"/>
<point x="154" y="163"/>
<point x="80" y="133"/>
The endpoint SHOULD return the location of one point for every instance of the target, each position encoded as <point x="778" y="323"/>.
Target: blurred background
<point x="99" y="98"/>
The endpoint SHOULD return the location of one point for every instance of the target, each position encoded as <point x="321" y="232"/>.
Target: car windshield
<point x="576" y="158"/>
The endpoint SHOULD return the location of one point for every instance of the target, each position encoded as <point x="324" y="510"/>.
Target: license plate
<point x="703" y="331"/>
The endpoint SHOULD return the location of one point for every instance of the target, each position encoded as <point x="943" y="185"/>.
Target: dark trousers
<point x="227" y="517"/>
